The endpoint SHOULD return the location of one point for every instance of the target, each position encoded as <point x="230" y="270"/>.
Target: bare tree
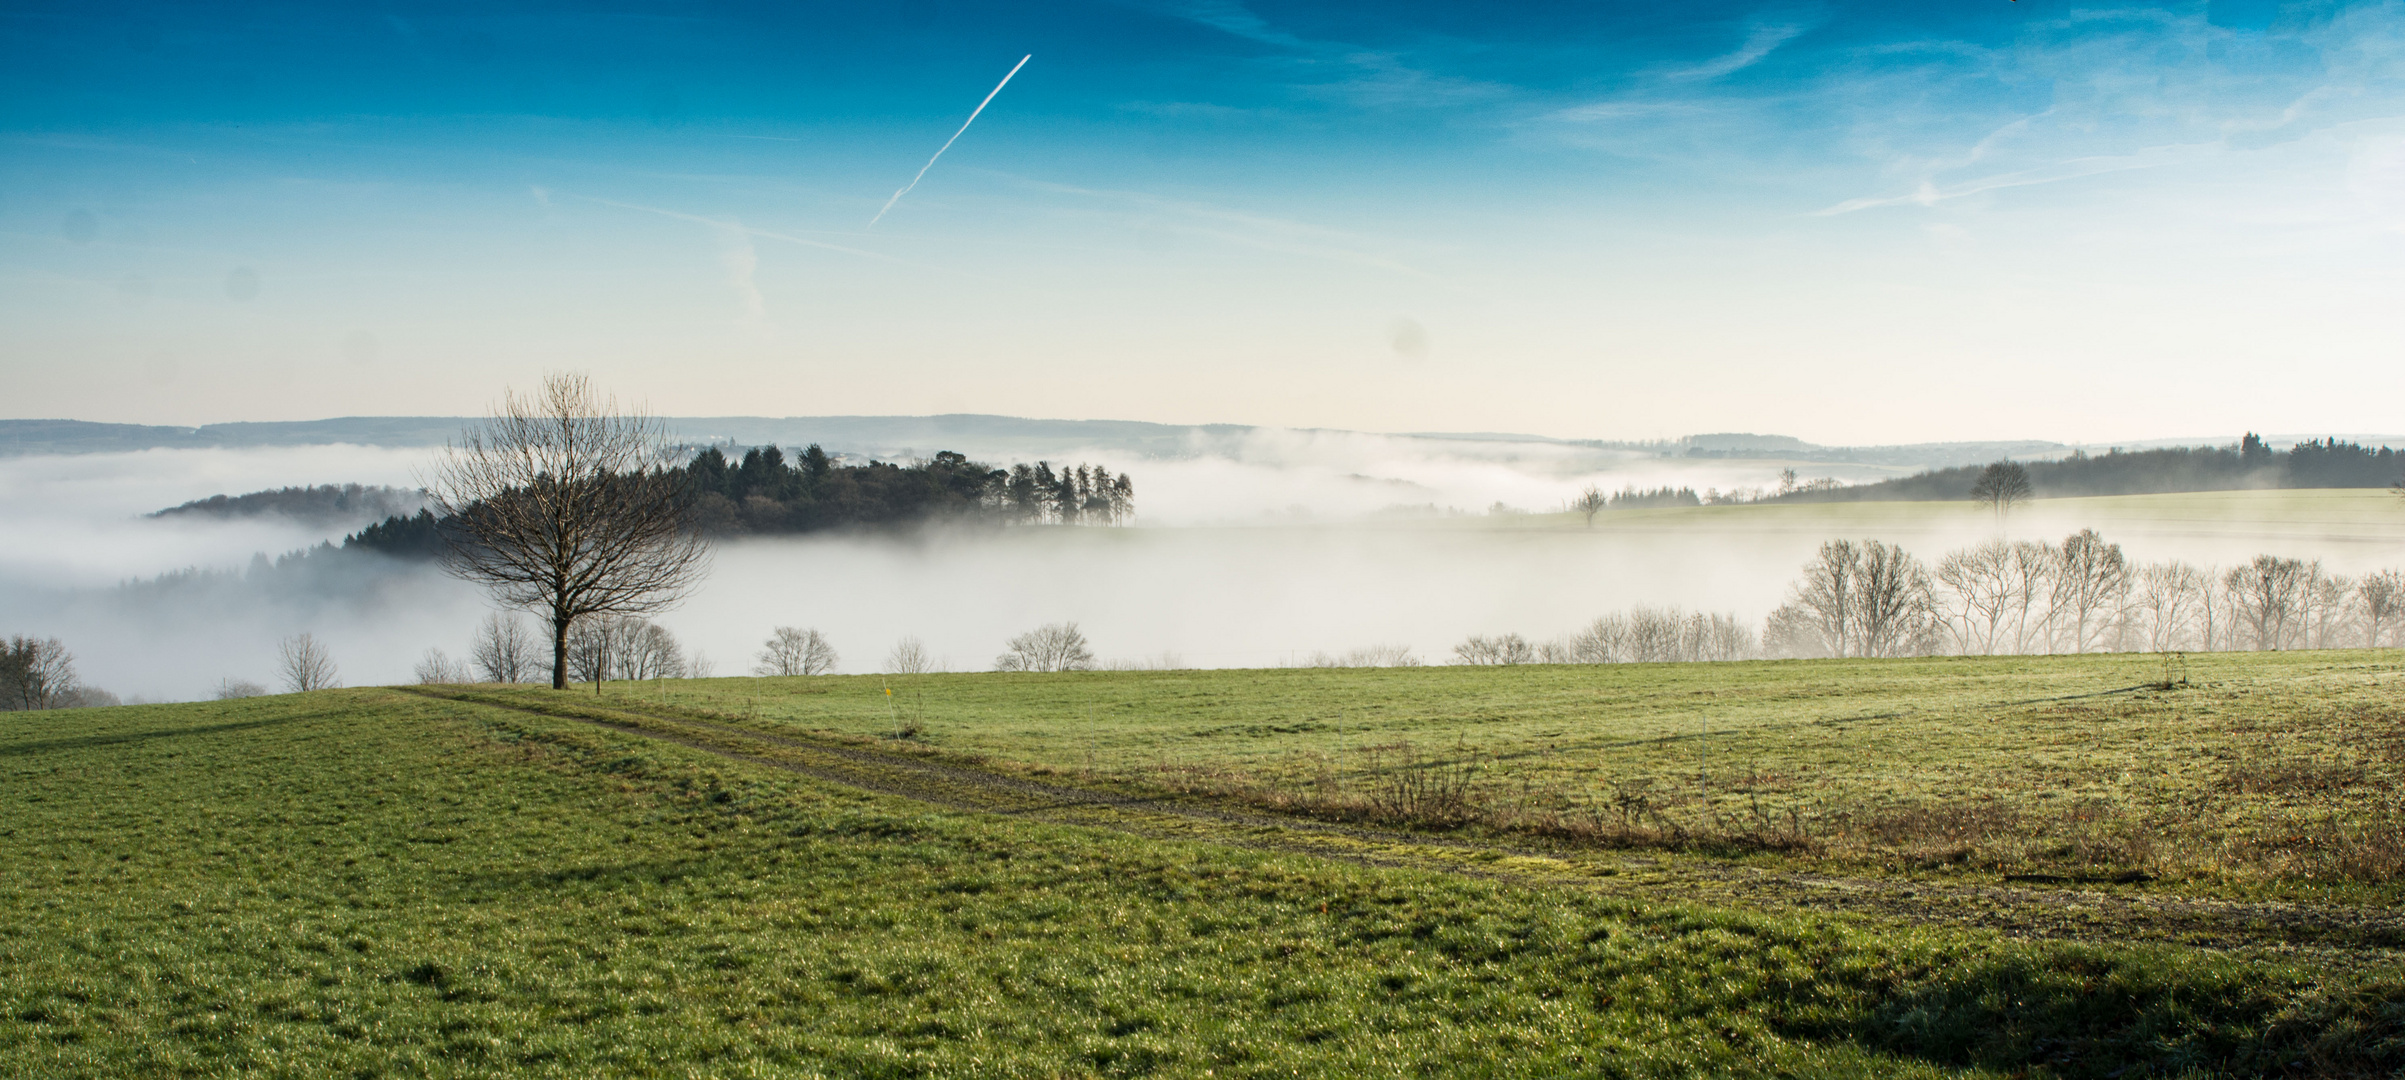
<point x="1053" y="647"/>
<point x="1824" y="600"/>
<point x="2216" y="614"/>
<point x="304" y="664"/>
<point x="1724" y="638"/>
<point x="438" y="667"/>
<point x="561" y="504"/>
<point x="2031" y="577"/>
<point x="1895" y="609"/>
<point x="796" y="651"/>
<point x="651" y="652"/>
<point x="1995" y="593"/>
<point x="1858" y="599"/>
<point x="1504" y="649"/>
<point x="36" y="673"/>
<point x="1793" y="632"/>
<point x="2267" y="600"/>
<point x="909" y="657"/>
<point x="1655" y="636"/>
<point x="1978" y="594"/>
<point x="1591" y="502"/>
<point x="2091" y="582"/>
<point x="2380" y="598"/>
<point x="503" y="651"/>
<point x="2328" y="622"/>
<point x="1604" y="641"/>
<point x="598" y="647"/>
<point x="235" y="689"/>
<point x="2000" y="486"/>
<point x="2171" y="596"/>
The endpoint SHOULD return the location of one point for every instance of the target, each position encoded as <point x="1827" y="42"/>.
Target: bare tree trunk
<point x="559" y="649"/>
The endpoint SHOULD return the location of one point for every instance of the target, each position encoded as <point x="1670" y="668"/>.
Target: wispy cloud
<point x="1244" y="229"/>
<point x="1328" y="69"/>
<point x="742" y="262"/>
<point x="761" y="233"/>
<point x="1237" y="20"/>
<point x="1758" y="44"/>
<point x="740" y="258"/>
<point x="1930" y="194"/>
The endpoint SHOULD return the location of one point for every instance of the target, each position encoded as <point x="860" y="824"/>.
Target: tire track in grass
<point x="2334" y="933"/>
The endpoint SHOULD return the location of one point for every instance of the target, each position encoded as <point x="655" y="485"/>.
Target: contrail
<point x="964" y="126"/>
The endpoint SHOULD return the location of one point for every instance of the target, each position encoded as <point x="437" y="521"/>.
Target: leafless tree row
<point x="1640" y="636"/>
<point x="1366" y="656"/>
<point x="1481" y="650"/>
<point x="2025" y="597"/>
<point x="1646" y="635"/>
<point x="600" y="648"/>
<point x="605" y="647"/>
<point x="505" y="652"/>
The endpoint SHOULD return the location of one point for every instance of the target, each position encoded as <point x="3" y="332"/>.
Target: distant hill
<point x="328" y="504"/>
<point x="2251" y="463"/>
<point x="1925" y="455"/>
<point x="1012" y="438"/>
<point x="84" y="437"/>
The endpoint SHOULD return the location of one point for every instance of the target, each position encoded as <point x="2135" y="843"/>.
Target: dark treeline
<point x="325" y="502"/>
<point x="764" y="494"/>
<point x="1633" y="499"/>
<point x="2248" y="464"/>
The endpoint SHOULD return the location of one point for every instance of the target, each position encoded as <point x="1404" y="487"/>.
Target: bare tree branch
<point x="561" y="504"/>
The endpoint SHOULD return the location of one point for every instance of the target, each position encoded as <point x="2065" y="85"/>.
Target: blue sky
<point x="1849" y="222"/>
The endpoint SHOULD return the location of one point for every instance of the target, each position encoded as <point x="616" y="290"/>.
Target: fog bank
<point x="1273" y="591"/>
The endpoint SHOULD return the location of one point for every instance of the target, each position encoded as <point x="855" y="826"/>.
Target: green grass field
<point x="2282" y="771"/>
<point x="1088" y="875"/>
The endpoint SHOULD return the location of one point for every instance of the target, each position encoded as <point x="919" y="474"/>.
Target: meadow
<point x="2229" y="774"/>
<point x="764" y="877"/>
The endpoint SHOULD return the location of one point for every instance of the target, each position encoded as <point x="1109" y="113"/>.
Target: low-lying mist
<point x="1339" y="576"/>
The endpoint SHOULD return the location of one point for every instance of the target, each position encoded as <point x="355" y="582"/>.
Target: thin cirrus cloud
<point x="737" y="254"/>
<point x="1240" y="228"/>
<point x="1758" y="44"/>
<point x="1346" y="72"/>
<point x="717" y="223"/>
<point x="1930" y="194"/>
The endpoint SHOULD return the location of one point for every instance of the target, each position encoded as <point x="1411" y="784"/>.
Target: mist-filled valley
<point x="1280" y="548"/>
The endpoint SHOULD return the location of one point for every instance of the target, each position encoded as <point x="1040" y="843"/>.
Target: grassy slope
<point x="2211" y="781"/>
<point x="364" y="883"/>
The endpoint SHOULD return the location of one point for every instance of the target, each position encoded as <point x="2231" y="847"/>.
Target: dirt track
<point x="2348" y="935"/>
